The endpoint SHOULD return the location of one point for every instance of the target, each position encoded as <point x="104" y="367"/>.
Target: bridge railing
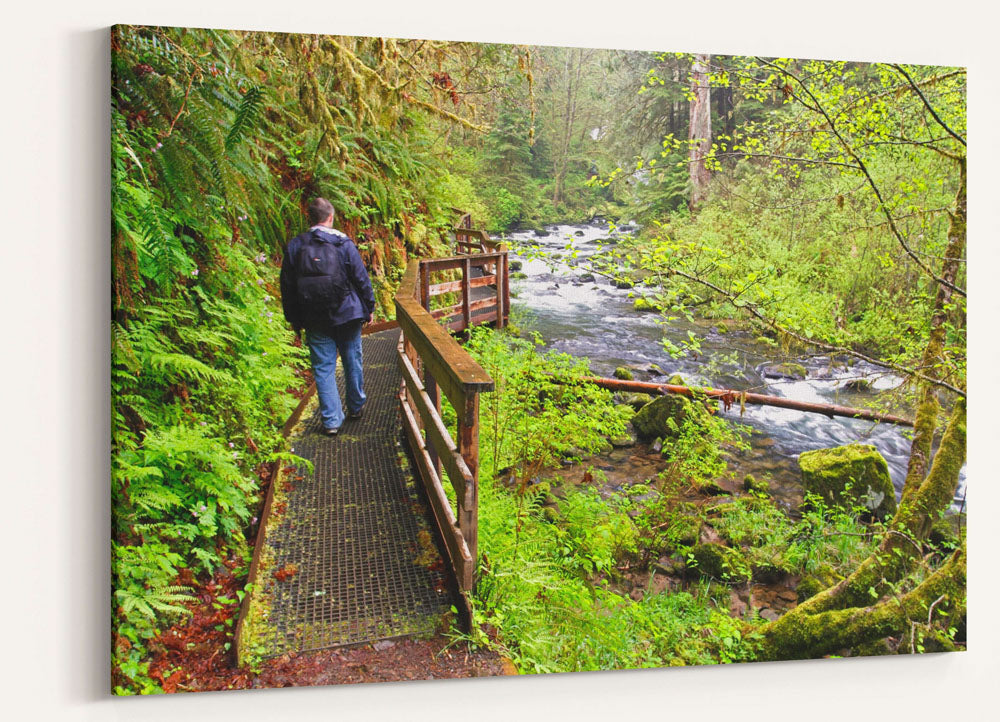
<point x="432" y="362"/>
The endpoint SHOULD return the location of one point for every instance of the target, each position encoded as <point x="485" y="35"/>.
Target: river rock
<point x="858" y="385"/>
<point x="752" y="483"/>
<point x="578" y="233"/>
<point x="623" y="373"/>
<point x="790" y="371"/>
<point x="829" y="472"/>
<point x="518" y="275"/>
<point x="514" y="266"/>
<point x="626" y="440"/>
<point x="587" y="277"/>
<point x="676" y="380"/>
<point x="643" y="304"/>
<point x="623" y="283"/>
<point x="664" y="416"/>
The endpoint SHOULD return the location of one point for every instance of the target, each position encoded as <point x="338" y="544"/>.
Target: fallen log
<point x="728" y="397"/>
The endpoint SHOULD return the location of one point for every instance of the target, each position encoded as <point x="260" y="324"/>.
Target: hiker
<point x="325" y="290"/>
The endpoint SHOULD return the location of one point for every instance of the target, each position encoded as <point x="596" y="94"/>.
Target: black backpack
<point x="321" y="281"/>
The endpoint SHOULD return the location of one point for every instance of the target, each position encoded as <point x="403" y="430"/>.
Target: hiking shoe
<point x="356" y="414"/>
<point x="331" y="432"/>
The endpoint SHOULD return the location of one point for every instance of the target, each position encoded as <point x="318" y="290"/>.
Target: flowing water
<point x="595" y="320"/>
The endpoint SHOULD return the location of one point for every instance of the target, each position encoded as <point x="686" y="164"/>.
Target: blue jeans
<point x="323" y="349"/>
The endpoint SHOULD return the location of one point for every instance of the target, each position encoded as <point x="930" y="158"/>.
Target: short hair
<point x="319" y="210"/>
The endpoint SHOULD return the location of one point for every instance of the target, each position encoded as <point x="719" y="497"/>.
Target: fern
<point x="246" y="116"/>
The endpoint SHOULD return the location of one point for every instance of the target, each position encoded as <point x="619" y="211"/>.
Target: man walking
<point x="325" y="290"/>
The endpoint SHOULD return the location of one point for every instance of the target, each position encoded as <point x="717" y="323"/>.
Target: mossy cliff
<point x="850" y="475"/>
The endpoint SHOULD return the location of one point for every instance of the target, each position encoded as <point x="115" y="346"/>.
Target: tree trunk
<point x="699" y="130"/>
<point x="839" y="617"/>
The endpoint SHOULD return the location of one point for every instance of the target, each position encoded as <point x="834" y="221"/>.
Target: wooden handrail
<point x="432" y="362"/>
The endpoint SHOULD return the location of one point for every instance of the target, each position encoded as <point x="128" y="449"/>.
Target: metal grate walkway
<point x="354" y="540"/>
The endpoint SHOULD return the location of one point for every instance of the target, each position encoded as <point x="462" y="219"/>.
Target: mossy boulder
<point x="517" y="275"/>
<point x="720" y="562"/>
<point x="636" y="400"/>
<point x="663" y="417"/>
<point x="623" y="373"/>
<point x="852" y="475"/>
<point x="786" y="371"/>
<point x="587" y="277"/>
<point x="514" y="266"/>
<point x="858" y="385"/>
<point x="623" y="283"/>
<point x="676" y="380"/>
<point x="644" y="304"/>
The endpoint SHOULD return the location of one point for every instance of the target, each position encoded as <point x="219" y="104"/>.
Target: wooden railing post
<point x="468" y="447"/>
<point x="505" y="280"/>
<point x="466" y="293"/>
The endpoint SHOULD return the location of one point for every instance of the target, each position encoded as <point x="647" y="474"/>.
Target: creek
<point x="593" y="319"/>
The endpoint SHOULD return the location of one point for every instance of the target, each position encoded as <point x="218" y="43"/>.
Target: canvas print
<point x="440" y="359"/>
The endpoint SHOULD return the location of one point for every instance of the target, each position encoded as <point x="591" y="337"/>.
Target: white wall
<point x="55" y="517"/>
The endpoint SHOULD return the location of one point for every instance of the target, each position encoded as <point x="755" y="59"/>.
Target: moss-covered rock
<point x="623" y="283"/>
<point x="786" y="371"/>
<point x="676" y="380"/>
<point x="858" y="385"/>
<point x="664" y="416"/>
<point x="636" y="400"/>
<point x="644" y="304"/>
<point x="517" y="275"/>
<point x="722" y="329"/>
<point x="709" y="488"/>
<point x="850" y="475"/>
<point x="587" y="277"/>
<point x="623" y="373"/>
<point x="752" y="483"/>
<point x="720" y="562"/>
<point x="514" y="266"/>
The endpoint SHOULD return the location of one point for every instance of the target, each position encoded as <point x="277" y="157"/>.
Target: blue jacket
<point x="358" y="301"/>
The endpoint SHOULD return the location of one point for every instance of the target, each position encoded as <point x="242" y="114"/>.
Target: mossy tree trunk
<point x="843" y="616"/>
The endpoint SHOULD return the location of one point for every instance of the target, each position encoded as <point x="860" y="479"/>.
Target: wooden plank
<point x="437" y="434"/>
<point x="481" y="319"/>
<point x="446" y="311"/>
<point x="452" y="286"/>
<point x="437" y="265"/>
<point x="455" y="544"/>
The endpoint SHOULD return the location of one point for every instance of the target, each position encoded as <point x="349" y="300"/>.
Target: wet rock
<point x="515" y="266"/>
<point x="664" y="416"/>
<point x="657" y="446"/>
<point x="623" y="283"/>
<point x="623" y="373"/>
<point x="587" y="277"/>
<point x="737" y="607"/>
<point x="654" y="370"/>
<point x="578" y="233"/>
<point x="518" y="275"/>
<point x="789" y="371"/>
<point x="541" y="232"/>
<point x="852" y="475"/>
<point x="770" y="615"/>
<point x="858" y="385"/>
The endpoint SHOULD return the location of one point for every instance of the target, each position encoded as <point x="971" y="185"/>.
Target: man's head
<point x="320" y="212"/>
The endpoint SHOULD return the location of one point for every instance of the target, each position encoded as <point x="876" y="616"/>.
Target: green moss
<point x="792" y="370"/>
<point x="751" y="483"/>
<point x="637" y="400"/>
<point x="644" y="304"/>
<point x="663" y="417"/>
<point x="722" y="328"/>
<point x="719" y="562"/>
<point x="676" y="380"/>
<point x="623" y="373"/>
<point x="850" y="475"/>
<point x="517" y="275"/>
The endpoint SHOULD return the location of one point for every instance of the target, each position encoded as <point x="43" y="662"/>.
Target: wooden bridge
<point x="367" y="545"/>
